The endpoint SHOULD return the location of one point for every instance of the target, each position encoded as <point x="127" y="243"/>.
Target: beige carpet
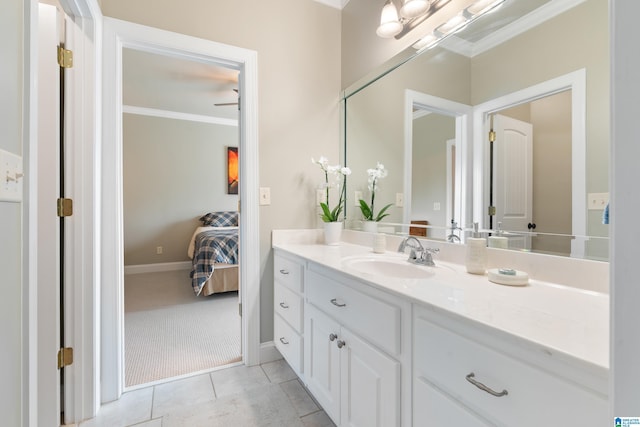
<point x="171" y="332"/>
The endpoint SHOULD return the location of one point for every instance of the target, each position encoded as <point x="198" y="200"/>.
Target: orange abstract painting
<point x="232" y="170"/>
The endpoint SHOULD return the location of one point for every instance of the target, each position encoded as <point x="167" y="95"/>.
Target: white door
<point x="513" y="174"/>
<point x="370" y="385"/>
<point x="322" y="360"/>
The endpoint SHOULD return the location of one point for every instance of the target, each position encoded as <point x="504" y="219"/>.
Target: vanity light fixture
<point x="412" y="13"/>
<point x="457" y="22"/>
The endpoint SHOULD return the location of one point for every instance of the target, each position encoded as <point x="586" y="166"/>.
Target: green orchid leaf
<point x="382" y="213"/>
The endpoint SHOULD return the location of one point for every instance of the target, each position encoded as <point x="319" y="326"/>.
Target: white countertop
<point x="563" y="319"/>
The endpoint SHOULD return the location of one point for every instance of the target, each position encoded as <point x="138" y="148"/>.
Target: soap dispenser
<point x="498" y="240"/>
<point x="476" y="258"/>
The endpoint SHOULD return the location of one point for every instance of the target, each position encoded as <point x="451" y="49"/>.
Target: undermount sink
<point x="388" y="266"/>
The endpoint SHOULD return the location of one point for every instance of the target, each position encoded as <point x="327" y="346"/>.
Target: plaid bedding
<point x="210" y="247"/>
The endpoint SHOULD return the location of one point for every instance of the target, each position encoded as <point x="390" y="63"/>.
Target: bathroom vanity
<point x="433" y="346"/>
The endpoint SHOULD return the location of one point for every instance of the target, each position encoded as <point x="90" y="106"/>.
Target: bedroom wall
<point x="11" y="351"/>
<point x="174" y="172"/>
<point x="298" y="45"/>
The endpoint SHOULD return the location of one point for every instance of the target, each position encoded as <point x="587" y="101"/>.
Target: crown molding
<point x="337" y="4"/>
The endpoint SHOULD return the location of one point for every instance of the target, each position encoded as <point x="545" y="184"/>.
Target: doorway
<point x="179" y="123"/>
<point x="120" y="35"/>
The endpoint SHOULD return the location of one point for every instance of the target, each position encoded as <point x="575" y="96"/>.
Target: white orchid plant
<point x="340" y="173"/>
<point x="368" y="211"/>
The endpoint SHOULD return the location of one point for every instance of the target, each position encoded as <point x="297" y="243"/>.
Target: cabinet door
<point x="433" y="408"/>
<point x="322" y="360"/>
<point x="370" y="384"/>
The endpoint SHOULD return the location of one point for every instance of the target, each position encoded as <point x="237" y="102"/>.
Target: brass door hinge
<point x="65" y="357"/>
<point x="65" y="57"/>
<point x="492" y="136"/>
<point x="492" y="210"/>
<point x="65" y="207"/>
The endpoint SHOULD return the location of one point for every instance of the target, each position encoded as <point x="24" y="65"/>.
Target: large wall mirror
<point x="504" y="123"/>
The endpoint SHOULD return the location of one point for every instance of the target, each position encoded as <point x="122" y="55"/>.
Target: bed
<point x="214" y="252"/>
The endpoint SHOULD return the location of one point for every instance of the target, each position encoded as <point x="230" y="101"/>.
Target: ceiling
<point x="174" y="84"/>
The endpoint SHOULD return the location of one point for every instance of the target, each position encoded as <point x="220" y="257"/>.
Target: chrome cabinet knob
<point x="341" y="343"/>
<point x="333" y="337"/>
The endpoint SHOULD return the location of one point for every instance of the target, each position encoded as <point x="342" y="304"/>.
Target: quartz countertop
<point x="566" y="320"/>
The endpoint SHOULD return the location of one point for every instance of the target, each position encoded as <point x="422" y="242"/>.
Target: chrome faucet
<point x="419" y="254"/>
<point x="453" y="237"/>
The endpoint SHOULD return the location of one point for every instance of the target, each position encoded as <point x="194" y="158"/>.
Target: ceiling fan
<point x="223" y="104"/>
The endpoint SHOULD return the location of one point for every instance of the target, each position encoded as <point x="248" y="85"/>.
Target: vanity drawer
<point x="287" y="272"/>
<point x="289" y="343"/>
<point x="535" y="397"/>
<point x="373" y="319"/>
<point x="288" y="305"/>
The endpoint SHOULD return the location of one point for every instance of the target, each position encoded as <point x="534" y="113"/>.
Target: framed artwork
<point x="232" y="170"/>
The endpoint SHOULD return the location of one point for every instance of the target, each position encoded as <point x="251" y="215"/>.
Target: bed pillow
<point x="220" y="219"/>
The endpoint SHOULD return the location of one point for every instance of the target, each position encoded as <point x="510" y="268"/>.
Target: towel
<point x="605" y="214"/>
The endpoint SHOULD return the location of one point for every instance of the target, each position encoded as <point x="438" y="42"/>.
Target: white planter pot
<point x="370" y="226"/>
<point x="332" y="233"/>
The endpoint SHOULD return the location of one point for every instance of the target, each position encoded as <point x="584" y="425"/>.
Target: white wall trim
<point x="495" y="38"/>
<point x="574" y="81"/>
<point x="175" y="115"/>
<point x="462" y="114"/>
<point x="157" y="268"/>
<point x="118" y="35"/>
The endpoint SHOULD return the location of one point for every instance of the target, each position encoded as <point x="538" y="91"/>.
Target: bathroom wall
<point x="298" y="45"/>
<point x="174" y="172"/>
<point x="11" y="350"/>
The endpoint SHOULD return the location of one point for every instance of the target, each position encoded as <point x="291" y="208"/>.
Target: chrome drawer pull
<point x="341" y="343"/>
<point x="332" y="337"/>
<point x="283" y="341"/>
<point x="336" y="303"/>
<point x="283" y="305"/>
<point x="484" y="387"/>
<point x="283" y="271"/>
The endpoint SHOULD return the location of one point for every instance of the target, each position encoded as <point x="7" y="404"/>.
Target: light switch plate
<point x="400" y="200"/>
<point x="11" y="177"/>
<point x="265" y="195"/>
<point x="357" y="197"/>
<point x="597" y="201"/>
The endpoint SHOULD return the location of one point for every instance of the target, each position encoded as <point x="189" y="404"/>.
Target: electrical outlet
<point x="11" y="177"/>
<point x="159" y="250"/>
<point x="598" y="201"/>
<point x="436" y="206"/>
<point x="320" y="196"/>
<point x="265" y="195"/>
<point x="357" y="197"/>
<point x="400" y="200"/>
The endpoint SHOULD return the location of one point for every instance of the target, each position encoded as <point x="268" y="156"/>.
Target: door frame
<point x="462" y="114"/>
<point x="84" y="20"/>
<point x="117" y="36"/>
<point x="574" y="81"/>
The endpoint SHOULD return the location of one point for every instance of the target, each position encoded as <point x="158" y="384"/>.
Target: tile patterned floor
<point x="269" y="395"/>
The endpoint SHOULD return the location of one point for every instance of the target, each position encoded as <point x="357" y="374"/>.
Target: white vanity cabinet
<point x="353" y="352"/>
<point x="288" y="320"/>
<point x="477" y="383"/>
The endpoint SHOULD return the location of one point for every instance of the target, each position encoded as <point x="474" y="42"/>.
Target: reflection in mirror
<point x="523" y="44"/>
<point x="436" y="138"/>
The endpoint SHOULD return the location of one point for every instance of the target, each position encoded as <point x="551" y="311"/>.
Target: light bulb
<point x="412" y="8"/>
<point x="389" y="23"/>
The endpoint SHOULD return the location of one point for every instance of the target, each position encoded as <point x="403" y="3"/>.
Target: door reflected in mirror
<point x="522" y="45"/>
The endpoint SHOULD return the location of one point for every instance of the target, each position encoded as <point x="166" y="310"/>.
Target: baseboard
<point x="154" y="268"/>
<point x="269" y="352"/>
